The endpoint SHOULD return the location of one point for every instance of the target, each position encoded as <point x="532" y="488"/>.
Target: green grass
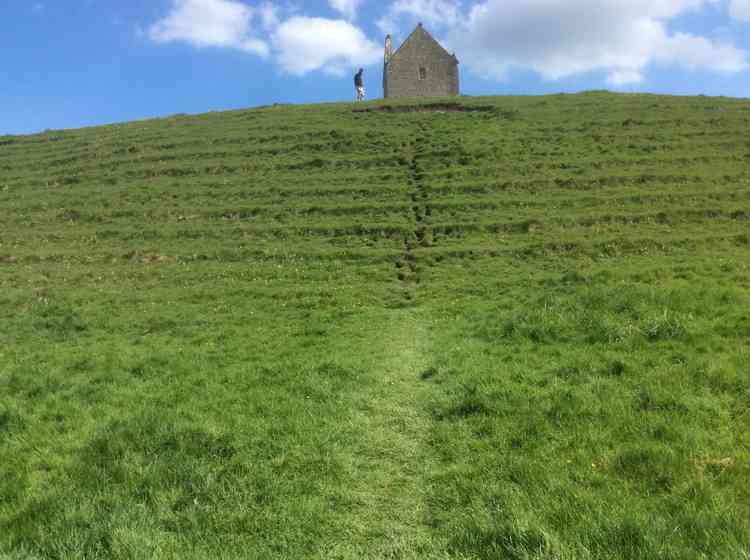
<point x="520" y="332"/>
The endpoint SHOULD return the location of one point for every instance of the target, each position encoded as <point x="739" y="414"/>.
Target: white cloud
<point x="624" y="77"/>
<point x="740" y="10"/>
<point x="269" y="15"/>
<point x="560" y="38"/>
<point x="299" y="45"/>
<point x="555" y="38"/>
<point x="433" y="13"/>
<point x="212" y="23"/>
<point x="347" y="7"/>
<point x="306" y="44"/>
<point x="698" y="52"/>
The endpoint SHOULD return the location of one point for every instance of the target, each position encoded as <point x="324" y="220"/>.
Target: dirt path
<point x="391" y="519"/>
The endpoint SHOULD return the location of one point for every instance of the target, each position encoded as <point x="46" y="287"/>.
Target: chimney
<point x="388" y="49"/>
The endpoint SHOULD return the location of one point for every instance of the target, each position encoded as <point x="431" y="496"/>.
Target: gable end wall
<point x="401" y="77"/>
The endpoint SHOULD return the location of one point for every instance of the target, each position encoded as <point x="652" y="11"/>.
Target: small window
<point x="422" y="73"/>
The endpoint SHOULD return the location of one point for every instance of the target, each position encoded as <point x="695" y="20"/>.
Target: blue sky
<point x="74" y="63"/>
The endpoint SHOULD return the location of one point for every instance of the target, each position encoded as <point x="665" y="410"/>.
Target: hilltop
<point x="502" y="327"/>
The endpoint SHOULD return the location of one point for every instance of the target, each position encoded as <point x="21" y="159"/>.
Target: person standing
<point x="359" y="84"/>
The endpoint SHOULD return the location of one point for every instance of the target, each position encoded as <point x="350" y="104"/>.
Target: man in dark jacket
<point x="359" y="84"/>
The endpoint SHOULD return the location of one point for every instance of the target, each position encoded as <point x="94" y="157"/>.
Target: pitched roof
<point x="419" y="30"/>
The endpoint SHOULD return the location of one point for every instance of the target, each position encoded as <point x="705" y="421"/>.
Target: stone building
<point x="419" y="68"/>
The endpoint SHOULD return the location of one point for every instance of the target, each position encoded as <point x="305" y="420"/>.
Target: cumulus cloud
<point x="212" y="23"/>
<point x="269" y="15"/>
<point x="624" y="77"/>
<point x="305" y="44"/>
<point x="740" y="9"/>
<point x="347" y="7"/>
<point x="299" y="45"/>
<point x="555" y="38"/>
<point x="560" y="38"/>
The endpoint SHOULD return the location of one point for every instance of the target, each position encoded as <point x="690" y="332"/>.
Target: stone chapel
<point x="420" y="67"/>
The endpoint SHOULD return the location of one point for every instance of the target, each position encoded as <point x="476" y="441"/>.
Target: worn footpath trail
<point x="391" y="517"/>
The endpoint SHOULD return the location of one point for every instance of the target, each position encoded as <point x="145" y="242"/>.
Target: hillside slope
<point x="508" y="327"/>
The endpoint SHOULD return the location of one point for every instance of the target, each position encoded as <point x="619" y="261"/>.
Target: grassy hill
<point x="511" y="327"/>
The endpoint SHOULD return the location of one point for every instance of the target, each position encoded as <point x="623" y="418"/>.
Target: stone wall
<point x="421" y="68"/>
